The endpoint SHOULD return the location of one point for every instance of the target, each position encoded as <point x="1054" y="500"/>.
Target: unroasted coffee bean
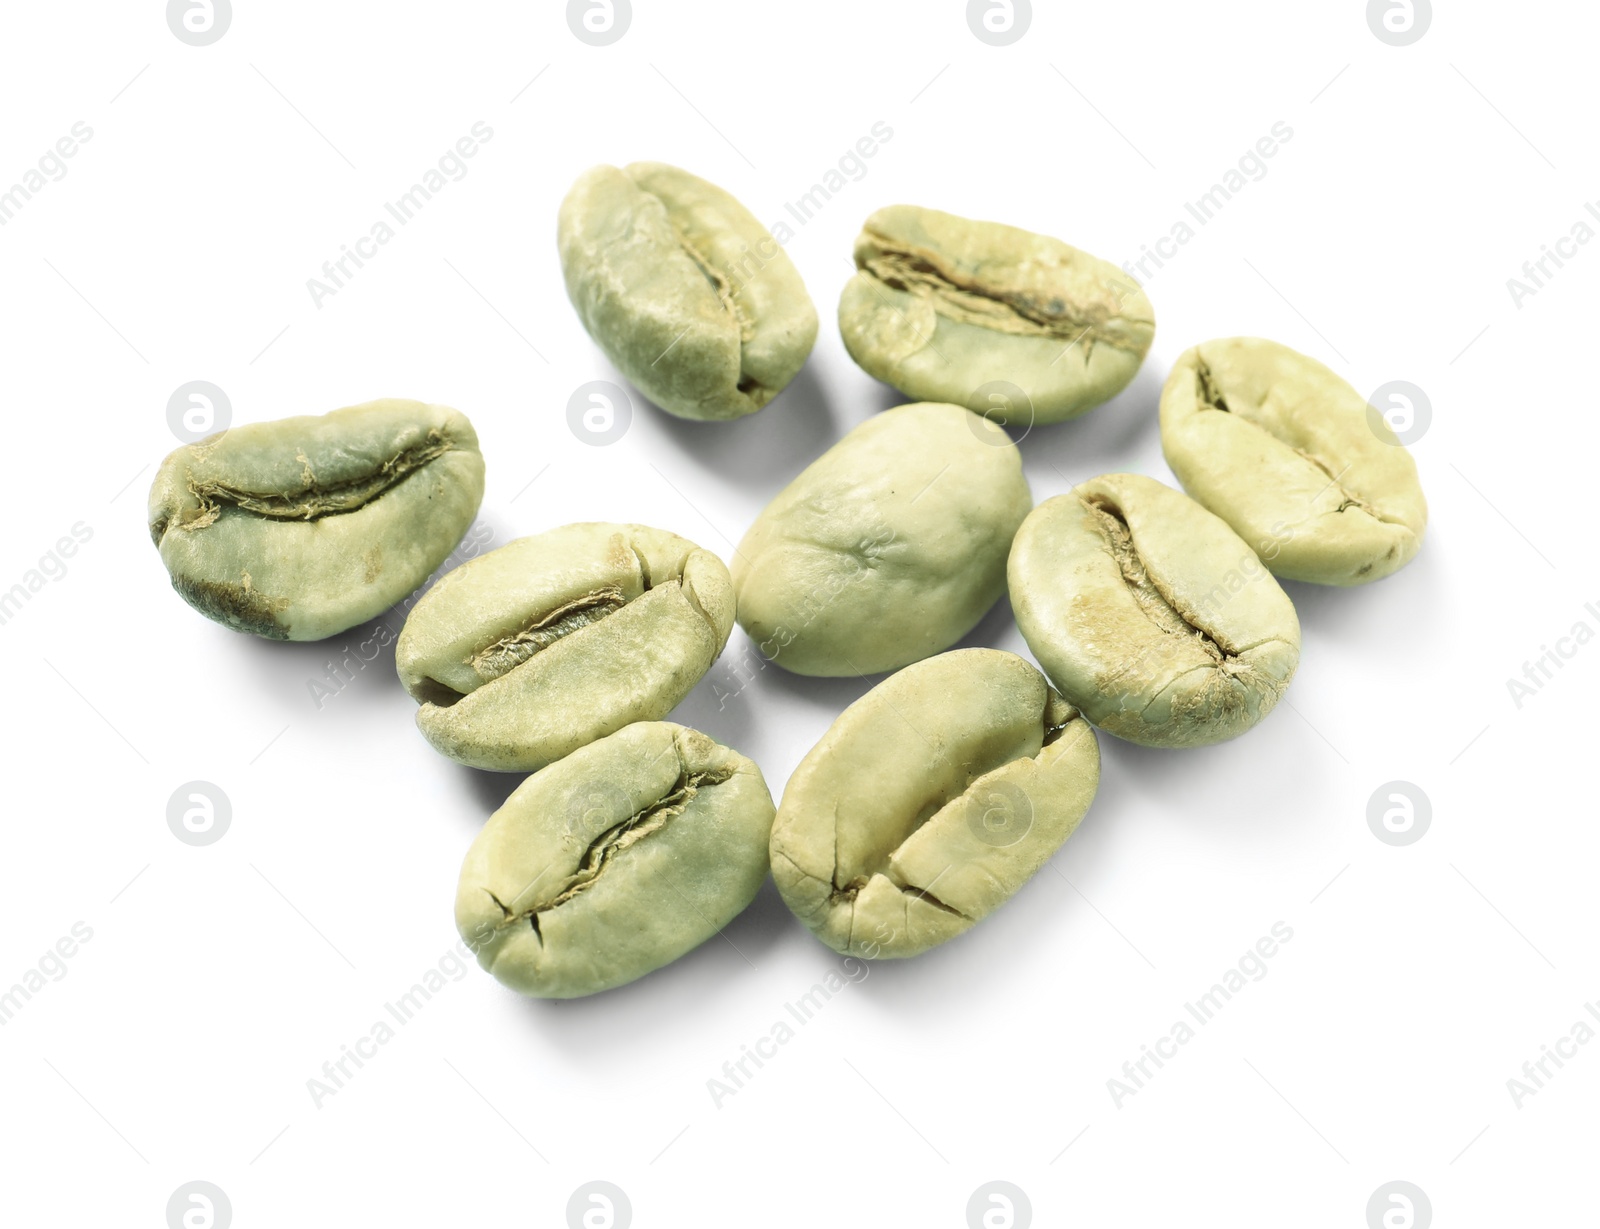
<point x="930" y="802"/>
<point x="301" y="528"/>
<point x="689" y="295"/>
<point x="525" y="654"/>
<point x="1294" y="459"/>
<point x="888" y="547"/>
<point x="1150" y="614"/>
<point x="618" y="859"/>
<point x="949" y="309"/>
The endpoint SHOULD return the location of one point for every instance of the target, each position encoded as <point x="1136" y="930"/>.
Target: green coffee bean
<point x="1294" y="459"/>
<point x="523" y="655"/>
<point x="301" y="528"/>
<point x="888" y="547"/>
<point x="684" y="290"/>
<point x="1150" y="614"/>
<point x="617" y="860"/>
<point x="930" y="802"/>
<point x="947" y="309"/>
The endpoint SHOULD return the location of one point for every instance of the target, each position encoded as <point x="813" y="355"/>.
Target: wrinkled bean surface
<point x="615" y="861"/>
<point x="1294" y="459"/>
<point x="942" y="306"/>
<point x="689" y="295"/>
<point x="930" y="802"/>
<point x="524" y="654"/>
<point x="301" y="528"/>
<point x="1150" y="614"/>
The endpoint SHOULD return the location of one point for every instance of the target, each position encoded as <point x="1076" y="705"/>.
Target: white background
<point x="179" y="1042"/>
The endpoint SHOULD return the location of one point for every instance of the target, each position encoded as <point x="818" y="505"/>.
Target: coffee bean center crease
<point x="719" y="283"/>
<point x="964" y="299"/>
<point x="507" y="654"/>
<point x="315" y="500"/>
<point x="1156" y="603"/>
<point x="616" y="840"/>
<point x="1210" y="396"/>
<point x="500" y="657"/>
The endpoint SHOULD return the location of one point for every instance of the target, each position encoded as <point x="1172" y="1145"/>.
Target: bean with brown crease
<point x="614" y="861"/>
<point x="946" y="308"/>
<point x="1293" y="458"/>
<point x="303" y="527"/>
<point x="525" y="654"/>
<point x="930" y="802"/>
<point x="1150" y="614"/>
